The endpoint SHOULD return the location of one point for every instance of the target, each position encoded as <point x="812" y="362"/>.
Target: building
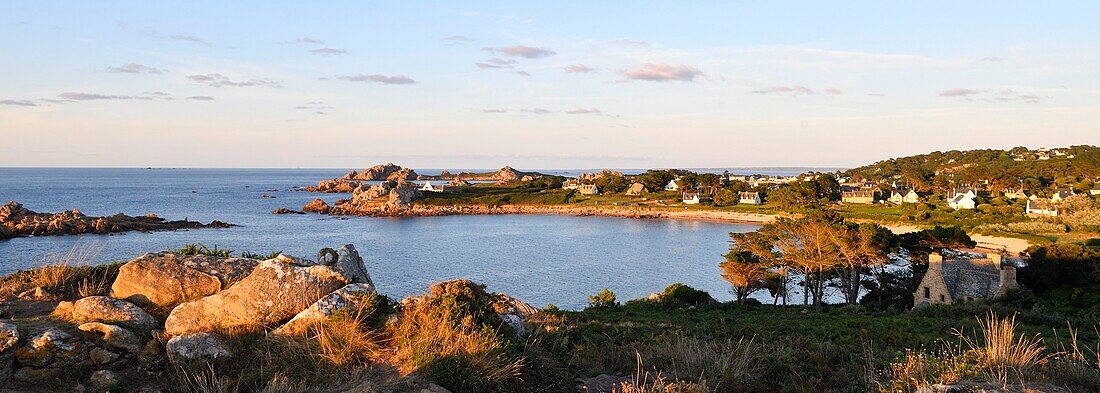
<point x="963" y="200"/>
<point x="1041" y="208"/>
<point x="570" y="184"/>
<point x="1016" y="193"/>
<point x="1095" y="190"/>
<point x="959" y="280"/>
<point x="1061" y="194"/>
<point x="672" y="185"/>
<point x="749" y="198"/>
<point x="860" y="196"/>
<point x="428" y="187"/>
<point x="900" y="196"/>
<point x="636" y="189"/>
<point x="588" y="189"/>
<point x="691" y="198"/>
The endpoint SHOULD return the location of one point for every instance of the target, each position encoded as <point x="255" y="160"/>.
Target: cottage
<point x="954" y="192"/>
<point x="588" y="189"/>
<point x="1041" y="208"/>
<point x="691" y="198"/>
<point x="672" y="185"/>
<point x="570" y="184"/>
<point x="1016" y="193"/>
<point x="860" y="196"/>
<point x="1095" y="190"/>
<point x="960" y="201"/>
<point x="636" y="189"/>
<point x="1061" y="194"/>
<point x="959" y="280"/>
<point x="899" y="196"/>
<point x="428" y="187"/>
<point x="749" y="198"/>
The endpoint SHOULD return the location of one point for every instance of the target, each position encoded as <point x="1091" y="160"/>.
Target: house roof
<point x="977" y="278"/>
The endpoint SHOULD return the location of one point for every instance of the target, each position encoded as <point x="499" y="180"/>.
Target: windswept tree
<point x="860" y="248"/>
<point x="745" y="273"/>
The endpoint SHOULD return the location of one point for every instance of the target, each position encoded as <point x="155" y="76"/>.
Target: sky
<point x="562" y="84"/>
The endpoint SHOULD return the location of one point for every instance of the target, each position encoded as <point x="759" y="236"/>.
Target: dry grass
<point x="64" y="274"/>
<point x="346" y="340"/>
<point x="643" y="381"/>
<point x="684" y="357"/>
<point x="1004" y="356"/>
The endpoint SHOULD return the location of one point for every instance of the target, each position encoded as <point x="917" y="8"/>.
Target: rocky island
<point x="390" y="172"/>
<point x="18" y="221"/>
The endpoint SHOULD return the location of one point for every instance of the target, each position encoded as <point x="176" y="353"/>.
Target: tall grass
<point x="65" y="274"/>
<point x="1003" y="354"/>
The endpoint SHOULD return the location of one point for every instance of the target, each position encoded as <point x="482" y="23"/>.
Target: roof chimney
<point x="935" y="261"/>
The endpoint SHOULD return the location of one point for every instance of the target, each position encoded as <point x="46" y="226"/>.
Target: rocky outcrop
<point x="16" y="221"/>
<point x="9" y="337"/>
<point x="283" y="210"/>
<point x="401" y="196"/>
<point x="114" y="337"/>
<point x="197" y="346"/>
<point x="317" y="206"/>
<point x="110" y="310"/>
<point x="600" y="174"/>
<point x="273" y="293"/>
<point x="334" y="186"/>
<point x="344" y="298"/>
<point x="387" y="171"/>
<point x="166" y="279"/>
<point x="351" y="266"/>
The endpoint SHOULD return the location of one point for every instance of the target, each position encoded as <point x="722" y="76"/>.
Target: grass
<point x="65" y="275"/>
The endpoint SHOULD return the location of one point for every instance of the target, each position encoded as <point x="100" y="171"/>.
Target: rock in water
<point x="350" y="264"/>
<point x="341" y="299"/>
<point x="205" y="346"/>
<point x="114" y="337"/>
<point x="106" y="309"/>
<point x="274" y="292"/>
<point x="317" y="206"/>
<point x="166" y="279"/>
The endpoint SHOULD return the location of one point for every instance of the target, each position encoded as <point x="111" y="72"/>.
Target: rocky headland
<point x="395" y="173"/>
<point x="18" y="221"/>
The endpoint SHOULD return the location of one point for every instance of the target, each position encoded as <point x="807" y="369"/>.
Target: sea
<point x="541" y="259"/>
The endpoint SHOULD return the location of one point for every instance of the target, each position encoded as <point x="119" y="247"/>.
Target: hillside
<point x="1005" y="168"/>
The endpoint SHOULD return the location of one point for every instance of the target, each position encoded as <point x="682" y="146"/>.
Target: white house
<point x="963" y="201"/>
<point x="1041" y="207"/>
<point x="1095" y="190"/>
<point x="588" y="189"/>
<point x="900" y="196"/>
<point x="691" y="198"/>
<point x="750" y="198"/>
<point x="571" y="184"/>
<point x="672" y="185"/>
<point x="1061" y="194"/>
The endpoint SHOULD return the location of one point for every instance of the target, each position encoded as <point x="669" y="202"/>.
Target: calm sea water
<point x="540" y="259"/>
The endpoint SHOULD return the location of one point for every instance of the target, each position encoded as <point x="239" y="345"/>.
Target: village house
<point x="1095" y="190"/>
<point x="588" y="189"/>
<point x="1041" y="207"/>
<point x="636" y="189"/>
<point x="429" y="187"/>
<point x="570" y="184"/>
<point x="672" y="185"/>
<point x="961" y="279"/>
<point x="1016" y="193"/>
<point x="860" y="196"/>
<point x="1061" y="194"/>
<point x="900" y="196"/>
<point x="749" y="198"/>
<point x="691" y="198"/>
<point x="962" y="198"/>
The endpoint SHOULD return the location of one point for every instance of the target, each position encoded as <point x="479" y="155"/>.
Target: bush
<point x="683" y="294"/>
<point x="604" y="299"/>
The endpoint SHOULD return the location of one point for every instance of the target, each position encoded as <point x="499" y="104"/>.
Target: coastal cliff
<point x="18" y="221"/>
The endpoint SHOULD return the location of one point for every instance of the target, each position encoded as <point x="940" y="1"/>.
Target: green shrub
<point x="603" y="299"/>
<point x="680" y="293"/>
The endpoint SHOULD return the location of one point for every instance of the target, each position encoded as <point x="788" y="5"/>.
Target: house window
<point x="927" y="293"/>
<point x="943" y="299"/>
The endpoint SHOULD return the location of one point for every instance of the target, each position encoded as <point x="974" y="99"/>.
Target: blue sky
<point x="540" y="85"/>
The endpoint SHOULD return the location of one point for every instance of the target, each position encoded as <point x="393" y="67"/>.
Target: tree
<point x="611" y="183"/>
<point x="656" y="180"/>
<point x="725" y="197"/>
<point x="603" y="299"/>
<point x="745" y="273"/>
<point x="860" y="248"/>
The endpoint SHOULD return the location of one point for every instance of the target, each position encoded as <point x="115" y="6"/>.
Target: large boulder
<point x="350" y="264"/>
<point x="111" y="310"/>
<point x="166" y="279"/>
<point x="9" y="336"/>
<point x="344" y="298"/>
<point x="272" y="294"/>
<point x="51" y="349"/>
<point x="114" y="337"/>
<point x="197" y="346"/>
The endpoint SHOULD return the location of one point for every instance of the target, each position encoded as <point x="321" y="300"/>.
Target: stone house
<point x="860" y="196"/>
<point x="961" y="279"/>
<point x="588" y="189"/>
<point x="571" y="184"/>
<point x="1041" y="207"/>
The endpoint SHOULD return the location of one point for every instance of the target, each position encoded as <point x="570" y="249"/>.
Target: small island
<point x="18" y="221"/>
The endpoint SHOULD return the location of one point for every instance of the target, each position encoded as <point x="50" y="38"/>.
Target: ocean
<point x="540" y="259"/>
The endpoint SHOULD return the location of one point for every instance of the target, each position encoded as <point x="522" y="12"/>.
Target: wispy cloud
<point x="537" y="111"/>
<point x="73" y="96"/>
<point x="635" y="43"/>
<point x="544" y="111"/>
<point x="306" y="40"/>
<point x="834" y="90"/>
<point x="657" y="72"/>
<point x="134" y="68"/>
<point x="579" y="69"/>
<point x="494" y="111"/>
<point x="796" y="89"/>
<point x="188" y="38"/>
<point x="584" y="111"/>
<point x="496" y="63"/>
<point x="958" y="92"/>
<point x="529" y="52"/>
<point x="328" y="51"/>
<point x="201" y="98"/>
<point x="219" y="80"/>
<point x="456" y="39"/>
<point x="522" y="73"/>
<point x="18" y="103"/>
<point x="376" y="78"/>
